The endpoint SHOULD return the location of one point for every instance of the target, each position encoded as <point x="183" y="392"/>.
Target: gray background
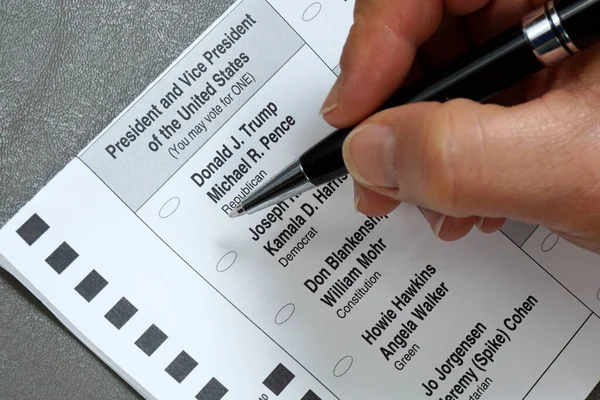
<point x="67" y="68"/>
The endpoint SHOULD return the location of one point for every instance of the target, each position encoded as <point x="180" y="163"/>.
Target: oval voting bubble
<point x="226" y="261"/>
<point x="285" y="314"/>
<point x="549" y="242"/>
<point x="343" y="366"/>
<point x="169" y="207"/>
<point x="311" y="12"/>
<point x="598" y="295"/>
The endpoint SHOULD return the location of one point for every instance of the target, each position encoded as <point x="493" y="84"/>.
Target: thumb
<point x="533" y="162"/>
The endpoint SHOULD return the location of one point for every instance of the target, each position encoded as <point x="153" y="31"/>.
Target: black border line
<point x="552" y="276"/>
<point x="81" y="155"/>
<point x="158" y="79"/>
<point x="300" y="36"/>
<point x="214" y="288"/>
<point x="525" y="241"/>
<point x="530" y="235"/>
<point x="147" y="90"/>
<point x="215" y="133"/>
<point x="558" y="355"/>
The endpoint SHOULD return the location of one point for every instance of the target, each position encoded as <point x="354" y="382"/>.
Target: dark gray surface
<point x="67" y="68"/>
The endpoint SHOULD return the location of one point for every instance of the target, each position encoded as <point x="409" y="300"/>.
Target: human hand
<point x="534" y="156"/>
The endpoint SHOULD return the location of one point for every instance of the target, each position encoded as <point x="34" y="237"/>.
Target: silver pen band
<point x="550" y="42"/>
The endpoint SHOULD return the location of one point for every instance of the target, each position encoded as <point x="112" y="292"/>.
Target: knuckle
<point x="448" y="174"/>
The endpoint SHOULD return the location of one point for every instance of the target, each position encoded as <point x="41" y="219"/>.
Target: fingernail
<point x="331" y="101"/>
<point x="479" y="224"/>
<point x="370" y="155"/>
<point x="439" y="225"/>
<point x="435" y="219"/>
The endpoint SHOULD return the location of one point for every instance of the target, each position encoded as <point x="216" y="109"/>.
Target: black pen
<point x="544" y="38"/>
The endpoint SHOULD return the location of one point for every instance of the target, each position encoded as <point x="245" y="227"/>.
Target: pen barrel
<point x="492" y="67"/>
<point x="581" y="21"/>
<point x="324" y="162"/>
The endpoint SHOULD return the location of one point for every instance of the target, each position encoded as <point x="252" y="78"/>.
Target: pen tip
<point x="238" y="212"/>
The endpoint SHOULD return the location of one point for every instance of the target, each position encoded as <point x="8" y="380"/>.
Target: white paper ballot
<point x="132" y="248"/>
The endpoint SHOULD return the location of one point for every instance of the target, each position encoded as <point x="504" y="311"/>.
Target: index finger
<point x="380" y="50"/>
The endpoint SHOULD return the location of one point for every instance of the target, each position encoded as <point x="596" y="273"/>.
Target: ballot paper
<point x="131" y="247"/>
